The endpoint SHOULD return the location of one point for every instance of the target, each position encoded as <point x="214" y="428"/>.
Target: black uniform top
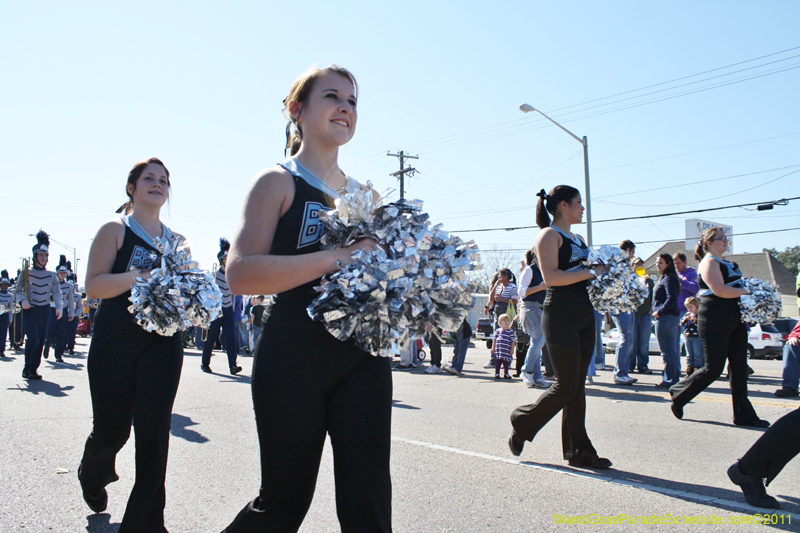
<point x="299" y="232"/>
<point x="710" y="301"/>
<point x="571" y="254"/>
<point x="536" y="279"/>
<point x="137" y="252"/>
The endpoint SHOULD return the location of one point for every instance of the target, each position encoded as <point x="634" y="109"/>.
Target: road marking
<point x="702" y="398"/>
<point x="682" y="494"/>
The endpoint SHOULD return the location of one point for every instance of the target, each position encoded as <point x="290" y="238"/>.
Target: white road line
<point x="702" y="498"/>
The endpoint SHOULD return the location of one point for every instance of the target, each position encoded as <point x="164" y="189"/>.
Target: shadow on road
<point x="43" y="387"/>
<point x="401" y="405"/>
<point x="178" y="429"/>
<point x="101" y="523"/>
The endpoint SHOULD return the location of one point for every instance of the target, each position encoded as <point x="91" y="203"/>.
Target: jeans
<point x="460" y="348"/>
<point x="241" y="328"/>
<point x="599" y="351"/>
<point x="533" y="359"/>
<point x="791" y="366"/>
<point x="665" y="333"/>
<point x="624" y="323"/>
<point x="694" y="352"/>
<point x="640" y="357"/>
<point x="227" y="324"/>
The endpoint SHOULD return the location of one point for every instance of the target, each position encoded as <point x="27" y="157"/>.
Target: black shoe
<point x="515" y="444"/>
<point x="677" y="410"/>
<point x="99" y="501"/>
<point x="34" y="375"/>
<point x="586" y="460"/>
<point x="72" y="352"/>
<point x="46" y="353"/>
<point x="205" y="368"/>
<point x="754" y="424"/>
<point x="517" y="374"/>
<point x="786" y="392"/>
<point x="507" y="376"/>
<point x="235" y="370"/>
<point x="753" y="489"/>
<point x="26" y="374"/>
<point x="59" y="360"/>
<point x="645" y="370"/>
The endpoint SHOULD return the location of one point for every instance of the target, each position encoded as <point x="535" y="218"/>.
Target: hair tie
<point x="542" y="194"/>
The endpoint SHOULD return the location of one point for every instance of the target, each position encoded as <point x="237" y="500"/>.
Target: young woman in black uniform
<point x="721" y="331"/>
<point x="133" y="374"/>
<point x="569" y="329"/>
<point x="306" y="384"/>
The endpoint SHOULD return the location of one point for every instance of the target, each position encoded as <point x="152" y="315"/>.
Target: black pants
<point x="569" y="336"/>
<point x="3" y="332"/>
<point x="72" y="331"/>
<point x="724" y="338"/>
<point x="62" y="327"/>
<point x="35" y="320"/>
<point x="306" y="385"/>
<point x="228" y="326"/>
<point x="435" y="346"/>
<point x="132" y="380"/>
<point x="774" y="449"/>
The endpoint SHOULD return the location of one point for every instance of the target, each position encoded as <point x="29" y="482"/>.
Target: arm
<point x="492" y="292"/>
<point x="100" y="282"/>
<point x="547" y="243"/>
<point x="524" y="281"/>
<point x="712" y="275"/>
<point x="55" y="292"/>
<point x="19" y="294"/>
<point x="251" y="269"/>
<point x="71" y="303"/>
<point x="689" y="283"/>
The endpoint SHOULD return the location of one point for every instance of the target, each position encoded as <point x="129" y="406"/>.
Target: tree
<point x="790" y="257"/>
<point x="494" y="260"/>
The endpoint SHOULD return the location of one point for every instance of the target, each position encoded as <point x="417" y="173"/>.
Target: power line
<point x="634" y="218"/>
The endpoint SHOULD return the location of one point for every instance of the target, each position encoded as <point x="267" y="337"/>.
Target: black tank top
<point x="710" y="302"/>
<point x="298" y="233"/>
<point x="571" y="255"/>
<point x="135" y="253"/>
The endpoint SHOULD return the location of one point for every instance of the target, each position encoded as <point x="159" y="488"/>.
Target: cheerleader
<point x="133" y="374"/>
<point x="306" y="383"/>
<point x="7" y="301"/>
<point x="226" y="321"/>
<point x="35" y="287"/>
<point x="568" y="325"/>
<point x="721" y="330"/>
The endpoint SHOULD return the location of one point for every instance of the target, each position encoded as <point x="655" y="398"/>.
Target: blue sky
<point x="89" y="89"/>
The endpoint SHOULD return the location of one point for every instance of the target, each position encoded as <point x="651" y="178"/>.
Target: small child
<point x="504" y="343"/>
<point x="694" y="347"/>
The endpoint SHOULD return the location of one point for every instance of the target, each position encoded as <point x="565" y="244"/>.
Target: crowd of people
<point x="307" y="384"/>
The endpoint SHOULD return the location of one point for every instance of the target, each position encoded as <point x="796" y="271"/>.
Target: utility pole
<point x="400" y="174"/>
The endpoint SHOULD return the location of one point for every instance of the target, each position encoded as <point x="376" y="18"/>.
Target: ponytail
<point x="126" y="208"/>
<point x="702" y="246"/>
<point x="294" y="138"/>
<point x="549" y="202"/>
<point x="530" y="256"/>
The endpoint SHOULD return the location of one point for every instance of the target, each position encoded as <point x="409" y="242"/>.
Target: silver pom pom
<point x="177" y="295"/>
<point x="619" y="289"/>
<point x="388" y="297"/>
<point x="763" y="304"/>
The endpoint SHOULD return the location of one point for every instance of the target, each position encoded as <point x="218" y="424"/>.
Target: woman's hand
<point x="363" y="244"/>
<point x="599" y="270"/>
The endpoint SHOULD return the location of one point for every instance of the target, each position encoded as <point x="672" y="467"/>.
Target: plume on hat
<point x="62" y="261"/>
<point x="69" y="265"/>
<point x="4" y="275"/>
<point x="224" y="245"/>
<point x="43" y="238"/>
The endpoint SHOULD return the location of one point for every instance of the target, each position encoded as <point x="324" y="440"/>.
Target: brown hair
<point x="133" y="177"/>
<point x="670" y="270"/>
<point x="299" y="92"/>
<point x="702" y="247"/>
<point x="530" y="256"/>
<point x="627" y="245"/>
<point x="680" y="255"/>
<point x="692" y="300"/>
<point x="549" y="202"/>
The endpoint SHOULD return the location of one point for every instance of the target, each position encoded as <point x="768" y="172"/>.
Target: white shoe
<point x="625" y="380"/>
<point x="542" y="383"/>
<point x="488" y="365"/>
<point x="589" y="380"/>
<point x="527" y="379"/>
<point x="433" y="369"/>
<point x="600" y="366"/>
<point x="449" y="369"/>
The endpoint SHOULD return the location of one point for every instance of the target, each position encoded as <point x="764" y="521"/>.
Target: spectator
<point x="624" y="323"/>
<point x="665" y="313"/>
<point x="461" y="339"/>
<point x="503" y="291"/>
<point x="642" y="321"/>
<point x="435" y="346"/>
<point x="791" y="364"/>
<point x="257" y="317"/>
<point x="694" y="347"/>
<point x="532" y="291"/>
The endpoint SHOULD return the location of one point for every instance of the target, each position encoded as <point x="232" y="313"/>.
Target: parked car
<point x="785" y="325"/>
<point x="611" y="338"/>
<point x="484" y="331"/>
<point x="765" y="341"/>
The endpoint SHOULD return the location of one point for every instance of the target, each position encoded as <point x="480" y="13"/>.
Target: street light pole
<point x="525" y="108"/>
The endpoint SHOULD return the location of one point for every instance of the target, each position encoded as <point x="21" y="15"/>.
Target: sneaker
<point x="589" y="380"/>
<point x="625" y="380"/>
<point x="433" y="369"/>
<point x="488" y="365"/>
<point x="405" y="366"/>
<point x="507" y="376"/>
<point x="600" y="366"/>
<point x="753" y="488"/>
<point x="786" y="392"/>
<point x="450" y="370"/>
<point x="497" y="376"/>
<point x="205" y="368"/>
<point x="527" y="379"/>
<point x="541" y="383"/>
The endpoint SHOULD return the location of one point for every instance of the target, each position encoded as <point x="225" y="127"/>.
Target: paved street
<point x="452" y="470"/>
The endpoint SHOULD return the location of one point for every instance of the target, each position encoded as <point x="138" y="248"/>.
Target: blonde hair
<point x="503" y="317"/>
<point x="299" y="92"/>
<point x="692" y="300"/>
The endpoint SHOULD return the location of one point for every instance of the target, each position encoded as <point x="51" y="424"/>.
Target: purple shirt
<point x="689" y="287"/>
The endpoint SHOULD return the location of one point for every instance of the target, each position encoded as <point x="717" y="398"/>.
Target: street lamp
<point x="525" y="108"/>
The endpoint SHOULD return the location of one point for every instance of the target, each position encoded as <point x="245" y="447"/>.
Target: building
<point x="760" y="265"/>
